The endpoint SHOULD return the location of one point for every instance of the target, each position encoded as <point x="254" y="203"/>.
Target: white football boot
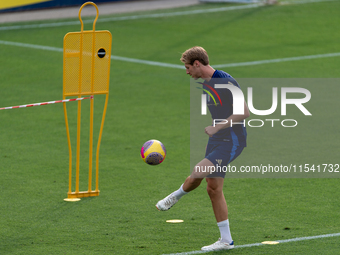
<point x="166" y="203"/>
<point x="218" y="246"/>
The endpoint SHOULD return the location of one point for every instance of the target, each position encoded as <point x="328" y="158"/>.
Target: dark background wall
<point x="49" y="4"/>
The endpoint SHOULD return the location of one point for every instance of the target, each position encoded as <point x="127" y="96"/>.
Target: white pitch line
<point x="259" y="244"/>
<point x="32" y="46"/>
<point x="278" y="60"/>
<point x="307" y="1"/>
<point x="156" y="15"/>
<point x="133" y="60"/>
<point x="132" y="17"/>
<point x="162" y="64"/>
<point x="147" y="62"/>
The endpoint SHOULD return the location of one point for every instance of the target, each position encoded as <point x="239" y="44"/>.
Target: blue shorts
<point x="221" y="153"/>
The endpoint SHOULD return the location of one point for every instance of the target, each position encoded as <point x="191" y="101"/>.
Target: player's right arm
<point x="211" y="130"/>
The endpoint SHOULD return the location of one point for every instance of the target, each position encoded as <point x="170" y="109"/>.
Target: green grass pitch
<point x="152" y="102"/>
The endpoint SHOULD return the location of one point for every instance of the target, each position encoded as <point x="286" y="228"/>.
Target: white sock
<point x="180" y="192"/>
<point x="225" y="231"/>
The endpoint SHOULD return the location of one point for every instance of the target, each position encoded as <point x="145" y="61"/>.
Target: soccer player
<point x="225" y="143"/>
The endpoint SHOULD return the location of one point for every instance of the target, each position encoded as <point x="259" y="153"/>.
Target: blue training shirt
<point x="223" y="108"/>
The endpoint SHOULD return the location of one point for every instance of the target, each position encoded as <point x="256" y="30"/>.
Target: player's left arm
<point x="211" y="130"/>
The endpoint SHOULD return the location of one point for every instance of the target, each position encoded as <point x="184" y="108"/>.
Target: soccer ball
<point x="153" y="152"/>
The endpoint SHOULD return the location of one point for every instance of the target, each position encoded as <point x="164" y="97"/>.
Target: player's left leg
<point x="219" y="204"/>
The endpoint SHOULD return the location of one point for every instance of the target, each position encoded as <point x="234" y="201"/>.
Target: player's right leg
<point x="215" y="191"/>
<point x="191" y="183"/>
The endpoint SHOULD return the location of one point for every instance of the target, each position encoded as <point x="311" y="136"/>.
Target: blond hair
<point x="195" y="53"/>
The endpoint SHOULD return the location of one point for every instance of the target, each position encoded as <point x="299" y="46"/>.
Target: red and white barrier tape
<point x="46" y="103"/>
